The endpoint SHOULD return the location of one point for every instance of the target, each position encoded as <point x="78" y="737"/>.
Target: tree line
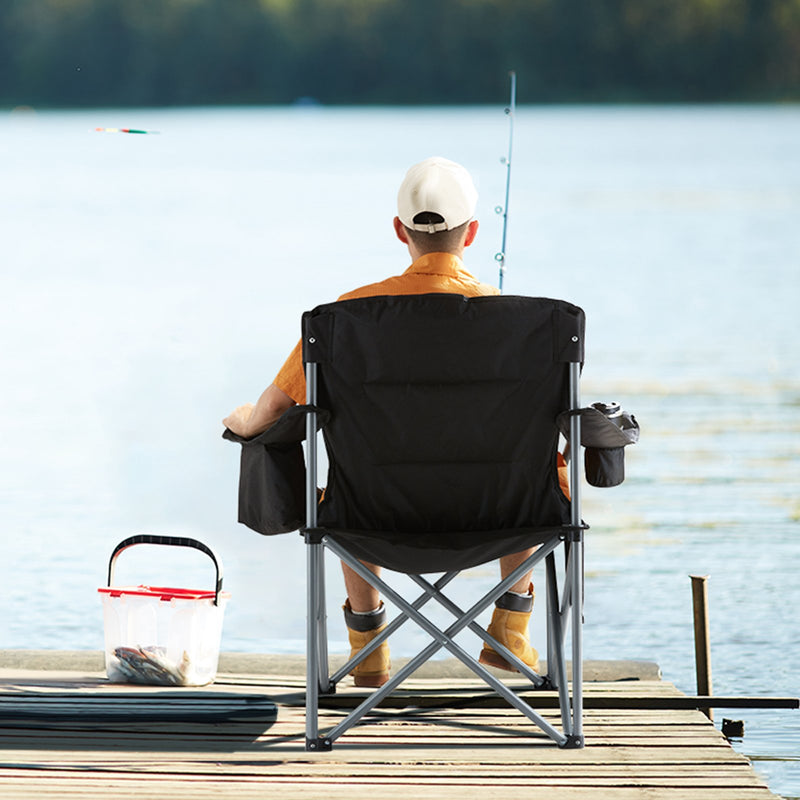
<point x="67" y="53"/>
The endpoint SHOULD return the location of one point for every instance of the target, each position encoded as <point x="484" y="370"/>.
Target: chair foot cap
<point x="320" y="745"/>
<point x="573" y="743"/>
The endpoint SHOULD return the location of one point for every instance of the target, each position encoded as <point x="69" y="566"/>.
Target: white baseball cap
<point x="436" y="186"/>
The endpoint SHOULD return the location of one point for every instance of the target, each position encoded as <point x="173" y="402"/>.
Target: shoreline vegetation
<point x="101" y="53"/>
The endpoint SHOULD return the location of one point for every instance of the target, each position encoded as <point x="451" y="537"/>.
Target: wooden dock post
<point x="702" y="645"/>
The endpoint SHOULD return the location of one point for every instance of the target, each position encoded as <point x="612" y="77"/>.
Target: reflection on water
<point x="149" y="284"/>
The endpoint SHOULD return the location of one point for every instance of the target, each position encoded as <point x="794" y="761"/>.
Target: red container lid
<point x="161" y="592"/>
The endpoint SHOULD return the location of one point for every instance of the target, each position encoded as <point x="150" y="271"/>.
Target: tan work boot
<point x="509" y="626"/>
<point x="373" y="671"/>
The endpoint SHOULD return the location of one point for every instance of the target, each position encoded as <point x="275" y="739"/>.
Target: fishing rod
<point x="512" y="105"/>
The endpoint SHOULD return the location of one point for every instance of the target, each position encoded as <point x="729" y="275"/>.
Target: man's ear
<point x="472" y="232"/>
<point x="400" y="230"/>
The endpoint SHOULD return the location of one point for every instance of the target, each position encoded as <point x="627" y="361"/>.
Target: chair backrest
<point x="443" y="415"/>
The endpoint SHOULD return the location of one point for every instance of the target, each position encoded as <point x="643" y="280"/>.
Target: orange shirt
<point x="434" y="273"/>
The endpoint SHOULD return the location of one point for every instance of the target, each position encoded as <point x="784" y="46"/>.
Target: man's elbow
<point x="273" y="403"/>
<point x="277" y="401"/>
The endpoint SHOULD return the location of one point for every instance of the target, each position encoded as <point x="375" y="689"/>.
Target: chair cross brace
<point x="391" y="627"/>
<point x="318" y="681"/>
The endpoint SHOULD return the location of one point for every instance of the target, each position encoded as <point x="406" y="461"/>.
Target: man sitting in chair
<point x="436" y="203"/>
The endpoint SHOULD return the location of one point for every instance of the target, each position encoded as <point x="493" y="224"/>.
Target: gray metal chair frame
<point x="564" y="609"/>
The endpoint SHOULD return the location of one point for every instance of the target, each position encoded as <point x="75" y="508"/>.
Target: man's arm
<point x="249" y="420"/>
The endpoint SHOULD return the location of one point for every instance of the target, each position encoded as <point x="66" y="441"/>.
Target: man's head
<point x="435" y="205"/>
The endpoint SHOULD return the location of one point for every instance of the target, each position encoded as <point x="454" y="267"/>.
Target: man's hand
<point x="239" y="419"/>
<point x="249" y="420"/>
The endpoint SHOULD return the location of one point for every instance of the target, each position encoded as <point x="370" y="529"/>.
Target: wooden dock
<point x="74" y="735"/>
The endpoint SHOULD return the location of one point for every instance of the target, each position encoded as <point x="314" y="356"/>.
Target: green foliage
<point x="163" y="52"/>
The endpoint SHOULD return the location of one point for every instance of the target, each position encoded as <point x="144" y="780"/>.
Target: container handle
<point x="174" y="541"/>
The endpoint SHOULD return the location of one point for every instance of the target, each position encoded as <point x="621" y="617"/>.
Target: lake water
<point x="151" y="283"/>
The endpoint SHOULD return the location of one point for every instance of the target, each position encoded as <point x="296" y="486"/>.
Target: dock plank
<point x="76" y="739"/>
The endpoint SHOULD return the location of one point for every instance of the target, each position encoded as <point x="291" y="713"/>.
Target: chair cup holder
<point x="604" y="467"/>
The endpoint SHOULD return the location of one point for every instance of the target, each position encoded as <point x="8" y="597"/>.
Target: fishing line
<point x="512" y="105"/>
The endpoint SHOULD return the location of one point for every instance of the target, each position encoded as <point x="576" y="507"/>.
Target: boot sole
<point x="492" y="659"/>
<point x="371" y="681"/>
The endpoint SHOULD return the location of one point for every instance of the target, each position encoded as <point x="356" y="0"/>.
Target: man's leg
<point x="365" y="618"/>
<point x="509" y="563"/>
<point x="362" y="595"/>
<point x="511" y="617"/>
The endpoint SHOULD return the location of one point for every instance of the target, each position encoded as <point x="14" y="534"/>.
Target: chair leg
<point x="323" y="681"/>
<point x="556" y="663"/>
<point x="315" y="631"/>
<point x="576" y="567"/>
<point x="573" y="584"/>
<point x="551" y="600"/>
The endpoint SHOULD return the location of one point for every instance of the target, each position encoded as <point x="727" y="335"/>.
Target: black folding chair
<point x="442" y="445"/>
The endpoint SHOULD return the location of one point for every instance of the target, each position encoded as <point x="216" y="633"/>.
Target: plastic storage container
<point x="162" y="635"/>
